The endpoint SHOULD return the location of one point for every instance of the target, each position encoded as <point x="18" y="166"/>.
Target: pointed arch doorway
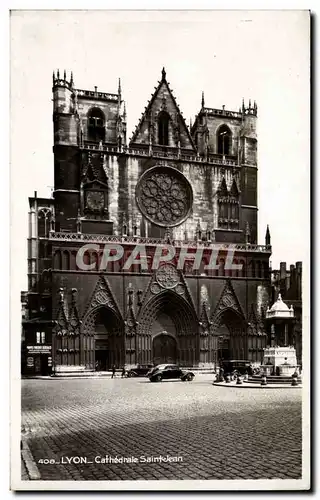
<point x="105" y="339"/>
<point x="168" y="331"/>
<point x="164" y="349"/>
<point x="231" y="332"/>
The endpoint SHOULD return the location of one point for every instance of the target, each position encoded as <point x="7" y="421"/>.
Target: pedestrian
<point x="113" y="371"/>
<point x="123" y="374"/>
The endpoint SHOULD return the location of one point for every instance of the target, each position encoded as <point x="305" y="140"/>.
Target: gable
<point x="162" y="103"/>
<point x="228" y="300"/>
<point x="92" y="169"/>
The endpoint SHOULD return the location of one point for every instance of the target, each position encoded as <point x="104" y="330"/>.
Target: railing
<point x="100" y="147"/>
<point x="213" y="159"/>
<point x="222" y="112"/>
<point x="102" y="238"/>
<point x="98" y="95"/>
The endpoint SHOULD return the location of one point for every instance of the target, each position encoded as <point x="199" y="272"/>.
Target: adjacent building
<point x="288" y="283"/>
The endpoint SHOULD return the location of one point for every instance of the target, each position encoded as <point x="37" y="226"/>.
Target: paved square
<point x="209" y="432"/>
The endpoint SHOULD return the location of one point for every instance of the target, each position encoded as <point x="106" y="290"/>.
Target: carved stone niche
<point x="130" y="332"/>
<point x="130" y="350"/>
<point x="204" y="332"/>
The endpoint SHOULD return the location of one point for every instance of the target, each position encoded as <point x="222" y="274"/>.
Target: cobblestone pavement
<point x="219" y="433"/>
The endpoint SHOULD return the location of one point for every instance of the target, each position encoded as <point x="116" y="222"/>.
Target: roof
<point x="280" y="310"/>
<point x="148" y="109"/>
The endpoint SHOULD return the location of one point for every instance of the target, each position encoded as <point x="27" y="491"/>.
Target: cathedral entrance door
<point x="102" y="356"/>
<point x="164" y="349"/>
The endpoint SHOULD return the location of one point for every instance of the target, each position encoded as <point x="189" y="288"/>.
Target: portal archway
<point x="172" y="312"/>
<point x="230" y="329"/>
<point x="105" y="339"/>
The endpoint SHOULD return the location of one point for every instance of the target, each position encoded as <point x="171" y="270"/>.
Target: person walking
<point x="123" y="374"/>
<point x="113" y="371"/>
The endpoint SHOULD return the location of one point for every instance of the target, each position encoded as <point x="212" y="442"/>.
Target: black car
<point x="237" y="366"/>
<point x="139" y="371"/>
<point x="165" y="372"/>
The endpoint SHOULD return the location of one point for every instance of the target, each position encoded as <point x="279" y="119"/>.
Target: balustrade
<point x="102" y="238"/>
<point x="174" y="155"/>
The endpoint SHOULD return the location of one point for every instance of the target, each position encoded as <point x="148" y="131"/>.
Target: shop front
<point x="38" y="360"/>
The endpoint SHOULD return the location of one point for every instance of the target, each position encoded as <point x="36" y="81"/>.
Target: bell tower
<point x="249" y="169"/>
<point x="66" y="152"/>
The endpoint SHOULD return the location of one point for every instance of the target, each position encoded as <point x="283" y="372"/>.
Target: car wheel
<point x="158" y="378"/>
<point x="130" y="375"/>
<point x="189" y="377"/>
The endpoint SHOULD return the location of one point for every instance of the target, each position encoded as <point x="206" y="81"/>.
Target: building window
<point x="228" y="206"/>
<point x="44" y="218"/>
<point x="40" y="337"/>
<point x="96" y="129"/>
<point x="224" y="140"/>
<point x="163" y="129"/>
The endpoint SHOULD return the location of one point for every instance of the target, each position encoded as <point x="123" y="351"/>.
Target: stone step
<point x="272" y="380"/>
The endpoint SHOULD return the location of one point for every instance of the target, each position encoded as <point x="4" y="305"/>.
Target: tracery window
<point x="228" y="206"/>
<point x="96" y="121"/>
<point x="44" y="219"/>
<point x="164" y="196"/>
<point x="163" y="129"/>
<point x="224" y="138"/>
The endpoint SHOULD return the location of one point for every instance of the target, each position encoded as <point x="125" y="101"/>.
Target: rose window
<point x="164" y="196"/>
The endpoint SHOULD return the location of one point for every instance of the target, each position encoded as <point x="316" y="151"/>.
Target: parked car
<point x="139" y="371"/>
<point x="237" y="366"/>
<point x="165" y="372"/>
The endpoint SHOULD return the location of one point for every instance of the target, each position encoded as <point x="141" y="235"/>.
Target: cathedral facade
<point x="147" y="250"/>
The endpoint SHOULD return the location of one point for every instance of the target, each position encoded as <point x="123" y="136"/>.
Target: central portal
<point x="164" y="344"/>
<point x="167" y="331"/>
<point x="164" y="349"/>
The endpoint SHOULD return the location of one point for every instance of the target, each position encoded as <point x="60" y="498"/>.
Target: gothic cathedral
<point x="173" y="187"/>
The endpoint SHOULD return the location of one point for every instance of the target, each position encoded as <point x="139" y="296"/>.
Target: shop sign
<point x="38" y="349"/>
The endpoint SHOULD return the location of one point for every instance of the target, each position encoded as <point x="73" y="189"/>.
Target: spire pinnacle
<point x="202" y="100"/>
<point x="71" y="79"/>
<point x="268" y="237"/>
<point x="124" y="111"/>
<point x="119" y="87"/>
<point x="163" y="74"/>
<point x="64" y="75"/>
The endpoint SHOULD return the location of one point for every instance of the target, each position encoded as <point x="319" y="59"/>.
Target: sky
<point x="229" y="55"/>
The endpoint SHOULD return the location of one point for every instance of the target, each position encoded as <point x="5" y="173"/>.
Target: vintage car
<point x="237" y="367"/>
<point x="139" y="371"/>
<point x="165" y="372"/>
